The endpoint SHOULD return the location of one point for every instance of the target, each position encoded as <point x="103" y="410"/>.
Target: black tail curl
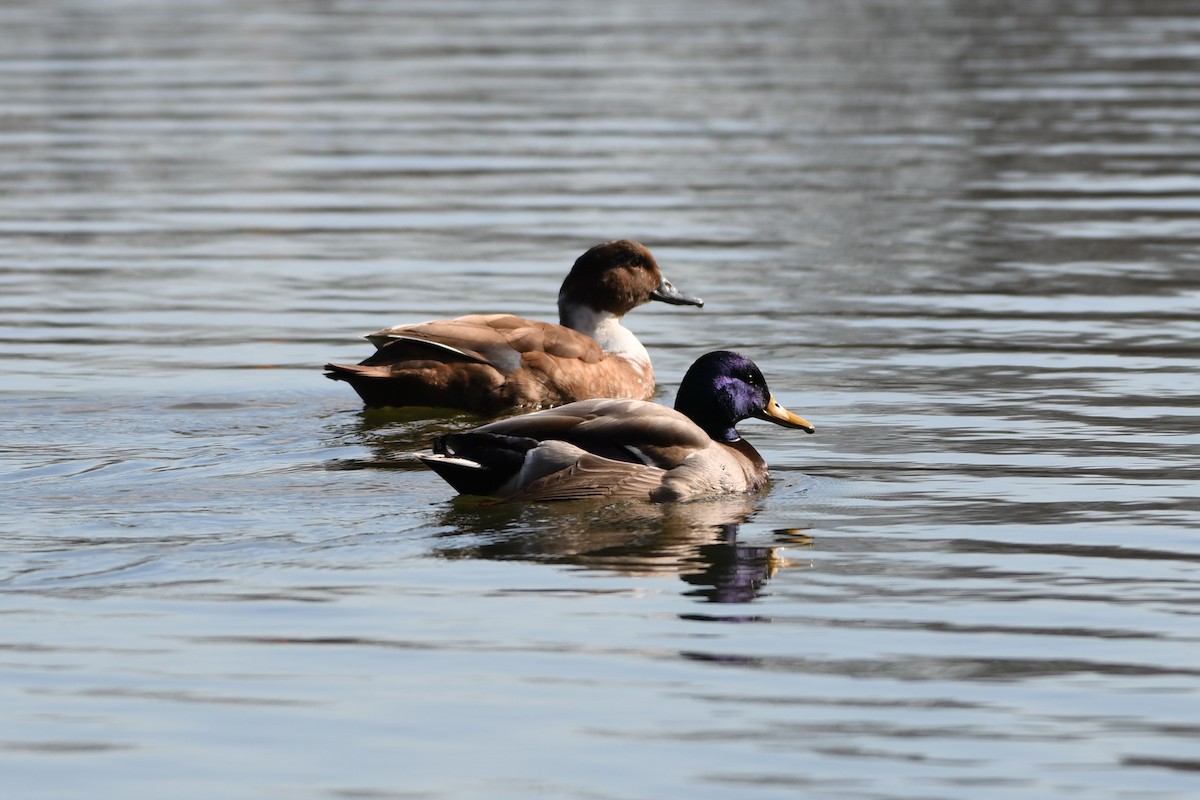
<point x="494" y="458"/>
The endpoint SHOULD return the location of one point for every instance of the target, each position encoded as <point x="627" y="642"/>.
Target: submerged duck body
<point x="489" y="363"/>
<point x="624" y="449"/>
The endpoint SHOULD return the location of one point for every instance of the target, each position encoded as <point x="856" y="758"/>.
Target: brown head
<point x="617" y="277"/>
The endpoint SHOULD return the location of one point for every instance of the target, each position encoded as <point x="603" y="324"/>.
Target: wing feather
<point x="592" y="476"/>
<point x="658" y="434"/>
<point x="497" y="339"/>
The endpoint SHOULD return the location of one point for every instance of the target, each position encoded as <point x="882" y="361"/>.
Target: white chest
<point x="609" y="333"/>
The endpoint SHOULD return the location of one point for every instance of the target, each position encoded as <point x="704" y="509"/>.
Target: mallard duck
<point x="619" y="449"/>
<point x="490" y="363"/>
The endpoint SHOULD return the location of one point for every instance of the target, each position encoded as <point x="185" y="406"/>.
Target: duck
<point x="624" y="449"/>
<point x="493" y="363"/>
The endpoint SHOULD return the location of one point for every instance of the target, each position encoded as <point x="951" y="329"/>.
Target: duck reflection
<point x="730" y="572"/>
<point x="695" y="541"/>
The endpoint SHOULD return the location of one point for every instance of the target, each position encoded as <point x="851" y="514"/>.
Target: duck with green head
<point x="624" y="449"/>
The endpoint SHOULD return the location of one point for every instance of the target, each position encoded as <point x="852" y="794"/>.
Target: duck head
<point x="722" y="388"/>
<point x="616" y="277"/>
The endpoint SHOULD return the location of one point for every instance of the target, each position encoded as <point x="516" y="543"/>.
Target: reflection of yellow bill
<point x="776" y="561"/>
<point x="796" y="537"/>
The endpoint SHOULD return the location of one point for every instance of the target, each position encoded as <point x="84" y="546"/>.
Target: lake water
<point x="962" y="238"/>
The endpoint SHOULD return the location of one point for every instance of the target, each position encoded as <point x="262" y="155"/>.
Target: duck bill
<point x="667" y="293"/>
<point x="781" y="416"/>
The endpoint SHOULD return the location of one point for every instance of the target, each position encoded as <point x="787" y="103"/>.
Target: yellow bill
<point x="781" y="416"/>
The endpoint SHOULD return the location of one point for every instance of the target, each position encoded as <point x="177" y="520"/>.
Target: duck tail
<point x="371" y="383"/>
<point x="478" y="463"/>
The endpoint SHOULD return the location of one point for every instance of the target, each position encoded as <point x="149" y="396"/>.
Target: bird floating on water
<point x="489" y="363"/>
<point x="624" y="449"/>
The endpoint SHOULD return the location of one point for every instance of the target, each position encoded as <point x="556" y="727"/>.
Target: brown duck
<point x="624" y="449"/>
<point x="488" y="363"/>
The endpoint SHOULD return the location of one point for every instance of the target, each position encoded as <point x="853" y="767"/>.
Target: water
<point x="961" y="238"/>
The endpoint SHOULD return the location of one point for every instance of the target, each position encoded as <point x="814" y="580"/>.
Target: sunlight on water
<point x="959" y="238"/>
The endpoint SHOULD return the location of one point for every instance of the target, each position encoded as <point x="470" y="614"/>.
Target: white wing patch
<point x="462" y="462"/>
<point x="639" y="455"/>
